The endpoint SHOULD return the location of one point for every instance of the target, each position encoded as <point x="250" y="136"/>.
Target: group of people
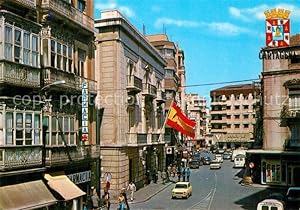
<point x="122" y="199"/>
<point x="180" y="171"/>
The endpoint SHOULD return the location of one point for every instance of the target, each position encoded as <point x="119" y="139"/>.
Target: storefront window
<point x="271" y="172"/>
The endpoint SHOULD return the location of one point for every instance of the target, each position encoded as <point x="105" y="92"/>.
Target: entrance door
<point x="296" y="174"/>
<point x="130" y="171"/>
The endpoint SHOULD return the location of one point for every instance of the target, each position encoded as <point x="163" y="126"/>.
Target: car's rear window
<point x="181" y="186"/>
<point x="294" y="193"/>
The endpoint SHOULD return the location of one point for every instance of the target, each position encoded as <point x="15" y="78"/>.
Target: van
<point x="237" y="152"/>
<point x="239" y="161"/>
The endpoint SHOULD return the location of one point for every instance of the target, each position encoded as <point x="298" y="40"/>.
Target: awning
<point x="28" y="195"/>
<point x="64" y="186"/>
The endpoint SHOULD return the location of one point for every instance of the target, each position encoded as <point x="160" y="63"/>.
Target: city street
<point x="212" y="190"/>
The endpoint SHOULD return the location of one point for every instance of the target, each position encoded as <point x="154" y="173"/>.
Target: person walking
<point x="121" y="201"/>
<point x="183" y="174"/>
<point x="107" y="200"/>
<point x="95" y="200"/>
<point x="179" y="172"/>
<point x="125" y="197"/>
<point x="132" y="188"/>
<point x="188" y="173"/>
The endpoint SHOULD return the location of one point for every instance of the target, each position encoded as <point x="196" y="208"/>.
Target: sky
<point x="221" y="39"/>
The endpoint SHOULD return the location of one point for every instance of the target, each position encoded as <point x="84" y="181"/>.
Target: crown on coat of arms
<point x="277" y="13"/>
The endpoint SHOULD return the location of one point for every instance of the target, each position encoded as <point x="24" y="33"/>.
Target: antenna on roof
<point x="144" y="29"/>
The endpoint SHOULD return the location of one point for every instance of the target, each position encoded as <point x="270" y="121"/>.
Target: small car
<point x="194" y="164"/>
<point x="215" y="164"/>
<point x="219" y="158"/>
<point x="227" y="156"/>
<point x="292" y="197"/>
<point x="206" y="160"/>
<point x="182" y="190"/>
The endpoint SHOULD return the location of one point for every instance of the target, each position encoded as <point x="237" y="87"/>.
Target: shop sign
<point x="80" y="177"/>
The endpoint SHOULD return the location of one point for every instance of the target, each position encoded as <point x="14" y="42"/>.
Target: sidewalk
<point x="147" y="192"/>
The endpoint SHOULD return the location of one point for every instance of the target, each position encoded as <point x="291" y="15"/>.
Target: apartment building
<point x="196" y="110"/>
<point x="233" y="115"/>
<point x="46" y="59"/>
<point x="131" y="90"/>
<point x="277" y="162"/>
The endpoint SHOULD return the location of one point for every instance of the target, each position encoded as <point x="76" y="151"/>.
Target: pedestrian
<point x="95" y="200"/>
<point x="183" y="175"/>
<point x="125" y="197"/>
<point x="148" y="177"/>
<point x="121" y="201"/>
<point x="188" y="173"/>
<point x="132" y="188"/>
<point x="155" y="176"/>
<point x="179" y="173"/>
<point x="164" y="176"/>
<point x="107" y="200"/>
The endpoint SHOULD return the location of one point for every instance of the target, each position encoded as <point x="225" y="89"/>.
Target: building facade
<point x="131" y="91"/>
<point x="196" y="110"/>
<point x="278" y="160"/>
<point x="44" y="64"/>
<point x="233" y="115"/>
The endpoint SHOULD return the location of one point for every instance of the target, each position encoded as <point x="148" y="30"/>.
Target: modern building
<point x="233" y="115"/>
<point x="131" y="90"/>
<point x="277" y="162"/>
<point x="46" y="58"/>
<point x="196" y="110"/>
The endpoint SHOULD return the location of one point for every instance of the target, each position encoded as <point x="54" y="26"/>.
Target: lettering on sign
<point x="80" y="177"/>
<point x="85" y="111"/>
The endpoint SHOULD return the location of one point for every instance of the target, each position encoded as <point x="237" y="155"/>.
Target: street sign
<point x="85" y="137"/>
<point x="84" y="111"/>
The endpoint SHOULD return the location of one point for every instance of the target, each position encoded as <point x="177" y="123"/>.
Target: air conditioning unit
<point x="169" y="150"/>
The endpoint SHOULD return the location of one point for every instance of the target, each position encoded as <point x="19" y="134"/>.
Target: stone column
<point x="144" y="124"/>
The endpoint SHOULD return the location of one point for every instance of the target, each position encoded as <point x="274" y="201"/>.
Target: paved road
<point x="212" y="190"/>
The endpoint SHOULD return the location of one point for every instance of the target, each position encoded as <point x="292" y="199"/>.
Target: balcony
<point x="65" y="9"/>
<point x="18" y="75"/>
<point x="149" y="90"/>
<point x="18" y="157"/>
<point x="290" y="112"/>
<point x="168" y="138"/>
<point x="72" y="81"/>
<point x="134" y="83"/>
<point x="64" y="155"/>
<point x="161" y="96"/>
<point x="155" y="138"/>
<point x="136" y="138"/>
<point x="25" y="3"/>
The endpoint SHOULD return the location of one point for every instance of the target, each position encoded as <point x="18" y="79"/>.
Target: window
<point x="228" y="116"/>
<point x="228" y="125"/>
<point x="246" y="125"/>
<point x="294" y="101"/>
<point x="26" y="48"/>
<point x="65" y="58"/>
<point x="61" y="55"/>
<point x="35" y="50"/>
<point x="81" y="61"/>
<point x="70" y="59"/>
<point x="25" y="127"/>
<point x="246" y="107"/>
<point x="18" y="44"/>
<point x="236" y="125"/>
<point x="81" y="5"/>
<point x="8" y="43"/>
<point x="236" y="116"/>
<point x="246" y="116"/>
<point x="58" y="54"/>
<point x="236" y="107"/>
<point x="53" y="54"/>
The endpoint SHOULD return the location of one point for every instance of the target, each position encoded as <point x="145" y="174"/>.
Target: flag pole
<point x="165" y="122"/>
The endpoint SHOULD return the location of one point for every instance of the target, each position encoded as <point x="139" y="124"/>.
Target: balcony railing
<point x="18" y="157"/>
<point x="72" y="81"/>
<point x="19" y="75"/>
<point x="134" y="83"/>
<point x="142" y="138"/>
<point x="168" y="138"/>
<point x="26" y="3"/>
<point x="149" y="90"/>
<point x="161" y="96"/>
<point x="155" y="138"/>
<point x="66" y="9"/>
<point x="63" y="155"/>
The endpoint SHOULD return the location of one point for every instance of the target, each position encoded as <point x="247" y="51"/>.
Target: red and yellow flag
<point x="177" y="120"/>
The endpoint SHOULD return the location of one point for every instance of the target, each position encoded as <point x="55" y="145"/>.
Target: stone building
<point x="233" y="115"/>
<point x="46" y="57"/>
<point x="131" y="90"/>
<point x="277" y="162"/>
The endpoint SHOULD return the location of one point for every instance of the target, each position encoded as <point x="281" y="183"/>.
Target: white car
<point x="219" y="158"/>
<point x="215" y="164"/>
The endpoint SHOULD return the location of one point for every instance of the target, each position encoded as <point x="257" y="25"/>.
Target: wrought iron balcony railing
<point x="66" y="9"/>
<point x="20" y="157"/>
<point x="161" y="96"/>
<point x="290" y="112"/>
<point x="62" y="155"/>
<point x="134" y="83"/>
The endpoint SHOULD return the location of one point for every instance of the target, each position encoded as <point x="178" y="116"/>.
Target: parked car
<point x="226" y="156"/>
<point x="237" y="152"/>
<point x="215" y="164"/>
<point x="220" y="151"/>
<point x="194" y="163"/>
<point x="271" y="204"/>
<point x="206" y="160"/>
<point x="292" y="197"/>
<point x="182" y="190"/>
<point x="219" y="158"/>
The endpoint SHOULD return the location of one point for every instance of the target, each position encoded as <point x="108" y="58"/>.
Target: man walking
<point x="188" y="173"/>
<point x="132" y="188"/>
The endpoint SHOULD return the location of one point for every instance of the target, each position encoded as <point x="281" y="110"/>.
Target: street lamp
<point x="54" y="83"/>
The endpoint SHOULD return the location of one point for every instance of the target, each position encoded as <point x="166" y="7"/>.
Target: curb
<point x="153" y="194"/>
